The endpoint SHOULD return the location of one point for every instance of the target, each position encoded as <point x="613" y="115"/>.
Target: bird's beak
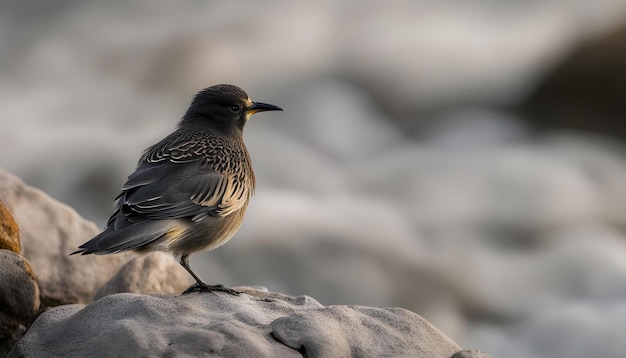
<point x="261" y="107"/>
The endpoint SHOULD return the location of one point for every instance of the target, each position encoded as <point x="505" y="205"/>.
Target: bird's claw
<point x="210" y="288"/>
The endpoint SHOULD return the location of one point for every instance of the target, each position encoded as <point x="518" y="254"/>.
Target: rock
<point x="50" y="231"/>
<point x="9" y="231"/>
<point x="255" y="324"/>
<point x="470" y="353"/>
<point x="156" y="272"/>
<point x="341" y="331"/>
<point x="19" y="298"/>
<point x="585" y="92"/>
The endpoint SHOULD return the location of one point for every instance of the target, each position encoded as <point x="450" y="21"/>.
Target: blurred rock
<point x="255" y="324"/>
<point x="470" y="354"/>
<point x="575" y="328"/>
<point x="336" y="117"/>
<point x="19" y="298"/>
<point x="50" y="231"/>
<point x="9" y="231"/>
<point x="155" y="272"/>
<point x="586" y="91"/>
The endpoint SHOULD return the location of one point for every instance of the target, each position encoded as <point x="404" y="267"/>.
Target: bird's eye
<point x="235" y="108"/>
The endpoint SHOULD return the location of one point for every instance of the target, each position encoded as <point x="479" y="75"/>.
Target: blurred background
<point x="464" y="160"/>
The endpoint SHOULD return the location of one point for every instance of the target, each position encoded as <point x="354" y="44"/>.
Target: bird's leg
<point x="200" y="286"/>
<point x="184" y="262"/>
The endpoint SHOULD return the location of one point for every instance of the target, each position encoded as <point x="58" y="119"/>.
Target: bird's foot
<point x="197" y="287"/>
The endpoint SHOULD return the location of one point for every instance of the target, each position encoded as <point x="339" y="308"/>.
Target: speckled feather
<point x="188" y="177"/>
<point x="227" y="181"/>
<point x="190" y="190"/>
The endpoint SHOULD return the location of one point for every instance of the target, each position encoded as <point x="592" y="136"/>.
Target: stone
<point x="9" y="231"/>
<point x="255" y="324"/>
<point x="361" y="331"/>
<point x="585" y="91"/>
<point x="19" y="298"/>
<point x="50" y="231"/>
<point x="470" y="353"/>
<point x="156" y="272"/>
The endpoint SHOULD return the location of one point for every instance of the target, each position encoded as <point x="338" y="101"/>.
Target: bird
<point x="189" y="191"/>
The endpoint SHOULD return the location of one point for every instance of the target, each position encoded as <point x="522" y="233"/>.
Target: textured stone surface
<point x="255" y="324"/>
<point x="9" y="231"/>
<point x="360" y="331"/>
<point x="155" y="272"/>
<point x="19" y="298"/>
<point x="50" y="231"/>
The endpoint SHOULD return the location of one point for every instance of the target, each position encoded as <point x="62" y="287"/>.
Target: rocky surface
<point x="156" y="272"/>
<point x="254" y="324"/>
<point x="19" y="292"/>
<point x="50" y="231"/>
<point x="470" y="353"/>
<point x="19" y="298"/>
<point x="9" y="231"/>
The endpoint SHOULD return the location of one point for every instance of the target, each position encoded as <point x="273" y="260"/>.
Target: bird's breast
<point x="207" y="234"/>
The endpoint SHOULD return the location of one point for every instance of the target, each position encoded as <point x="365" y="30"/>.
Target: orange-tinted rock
<point x="9" y="231"/>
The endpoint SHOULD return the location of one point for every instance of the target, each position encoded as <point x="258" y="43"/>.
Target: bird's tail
<point x="138" y="234"/>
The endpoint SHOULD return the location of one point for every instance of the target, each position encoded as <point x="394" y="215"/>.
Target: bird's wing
<point x="174" y="190"/>
<point x="183" y="176"/>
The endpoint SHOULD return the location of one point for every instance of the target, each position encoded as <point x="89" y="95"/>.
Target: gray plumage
<point x="191" y="189"/>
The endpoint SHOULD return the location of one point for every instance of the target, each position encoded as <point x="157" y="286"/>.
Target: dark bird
<point x="191" y="189"/>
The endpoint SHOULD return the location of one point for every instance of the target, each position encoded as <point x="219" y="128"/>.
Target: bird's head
<point x="222" y="108"/>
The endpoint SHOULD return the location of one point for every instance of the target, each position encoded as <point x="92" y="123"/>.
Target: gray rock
<point x="50" y="231"/>
<point x="256" y="324"/>
<point x="360" y="331"/>
<point x="156" y="272"/>
<point x="470" y="353"/>
<point x="19" y="298"/>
